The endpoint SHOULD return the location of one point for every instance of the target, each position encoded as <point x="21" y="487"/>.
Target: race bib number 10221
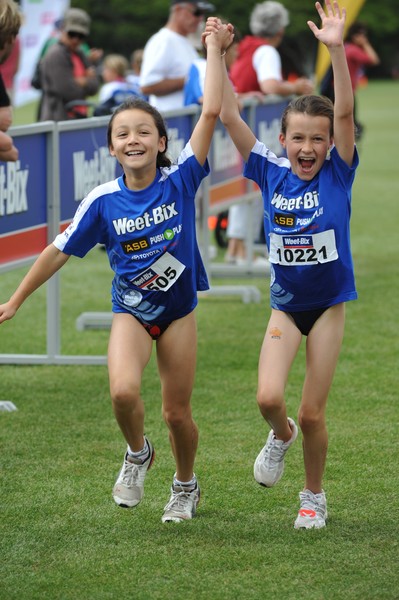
<point x="303" y="249"/>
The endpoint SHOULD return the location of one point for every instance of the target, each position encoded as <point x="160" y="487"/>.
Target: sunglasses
<point x="76" y="34"/>
<point x="197" y="13"/>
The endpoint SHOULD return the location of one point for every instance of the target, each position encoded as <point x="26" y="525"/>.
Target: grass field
<point x="62" y="537"/>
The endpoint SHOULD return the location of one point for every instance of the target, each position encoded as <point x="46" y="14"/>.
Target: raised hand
<point x="331" y="32"/>
<point x="224" y="32"/>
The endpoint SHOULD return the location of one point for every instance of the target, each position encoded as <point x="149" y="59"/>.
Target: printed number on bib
<point x="303" y="249"/>
<point x="161" y="275"/>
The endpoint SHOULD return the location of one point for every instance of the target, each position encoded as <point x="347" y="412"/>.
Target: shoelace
<point x="273" y="451"/>
<point x="179" y="500"/>
<point x="310" y="502"/>
<point x="132" y="474"/>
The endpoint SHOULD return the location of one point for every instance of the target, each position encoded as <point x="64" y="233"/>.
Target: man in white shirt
<point x="169" y="54"/>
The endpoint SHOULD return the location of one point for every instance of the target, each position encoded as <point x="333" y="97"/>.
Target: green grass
<point x="25" y="115"/>
<point x="61" y="536"/>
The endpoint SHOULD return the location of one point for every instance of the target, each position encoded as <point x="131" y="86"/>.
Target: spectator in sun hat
<point x="66" y="74"/>
<point x="168" y="54"/>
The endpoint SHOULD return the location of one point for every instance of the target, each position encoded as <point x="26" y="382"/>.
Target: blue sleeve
<point x="192" y="87"/>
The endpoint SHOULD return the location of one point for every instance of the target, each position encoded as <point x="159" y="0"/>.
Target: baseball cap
<point x="77" y="20"/>
<point x="199" y="4"/>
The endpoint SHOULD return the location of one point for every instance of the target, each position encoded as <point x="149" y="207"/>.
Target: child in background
<point x="133" y="76"/>
<point x="115" y="89"/>
<point x="307" y="206"/>
<point x="154" y="290"/>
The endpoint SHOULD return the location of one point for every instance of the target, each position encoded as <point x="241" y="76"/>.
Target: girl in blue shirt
<point x="307" y="205"/>
<point x="146" y="220"/>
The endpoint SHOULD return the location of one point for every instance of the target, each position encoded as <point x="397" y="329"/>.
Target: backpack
<point x="117" y="98"/>
<point x="36" y="81"/>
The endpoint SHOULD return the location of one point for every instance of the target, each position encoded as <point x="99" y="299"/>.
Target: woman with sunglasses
<point x="66" y="74"/>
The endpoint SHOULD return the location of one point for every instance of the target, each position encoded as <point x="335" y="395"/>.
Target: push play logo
<point x="13" y="189"/>
<point x="88" y="174"/>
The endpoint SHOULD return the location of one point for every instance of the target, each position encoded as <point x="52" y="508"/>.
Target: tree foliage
<point x="120" y="26"/>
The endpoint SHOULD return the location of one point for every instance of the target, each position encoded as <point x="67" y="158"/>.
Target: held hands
<point x="332" y="20"/>
<point x="218" y="34"/>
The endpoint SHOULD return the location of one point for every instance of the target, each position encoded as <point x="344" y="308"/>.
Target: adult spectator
<point x="258" y="65"/>
<point x="10" y="23"/>
<point x="169" y="54"/>
<point x="66" y="74"/>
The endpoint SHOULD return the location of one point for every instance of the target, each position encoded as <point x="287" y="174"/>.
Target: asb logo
<point x="132" y="246"/>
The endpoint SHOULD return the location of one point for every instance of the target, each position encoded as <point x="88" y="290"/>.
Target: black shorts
<point x="305" y="319"/>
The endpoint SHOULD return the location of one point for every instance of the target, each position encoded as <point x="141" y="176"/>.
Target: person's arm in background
<point x="287" y="88"/>
<point x="267" y="64"/>
<point x="370" y="56"/>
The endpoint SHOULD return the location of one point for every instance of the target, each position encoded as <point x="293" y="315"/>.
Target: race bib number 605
<point x="161" y="275"/>
<point x="303" y="249"/>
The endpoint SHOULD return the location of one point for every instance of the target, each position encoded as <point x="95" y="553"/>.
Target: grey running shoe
<point x="313" y="511"/>
<point x="269" y="464"/>
<point x="182" y="504"/>
<point x="129" y="487"/>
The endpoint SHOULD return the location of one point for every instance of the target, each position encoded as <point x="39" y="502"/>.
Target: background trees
<point x="122" y="26"/>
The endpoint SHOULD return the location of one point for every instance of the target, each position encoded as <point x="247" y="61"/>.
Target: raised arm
<point x="48" y="263"/>
<point x="239" y="131"/>
<point x="216" y="44"/>
<point x="331" y="34"/>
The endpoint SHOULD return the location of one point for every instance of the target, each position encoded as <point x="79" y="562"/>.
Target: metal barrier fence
<point x="59" y="163"/>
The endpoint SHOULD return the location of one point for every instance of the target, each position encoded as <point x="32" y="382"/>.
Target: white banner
<point x="39" y="17"/>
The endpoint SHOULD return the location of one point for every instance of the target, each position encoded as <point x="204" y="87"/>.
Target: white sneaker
<point x="129" y="487"/>
<point x="269" y="464"/>
<point x="182" y="504"/>
<point x="313" y="510"/>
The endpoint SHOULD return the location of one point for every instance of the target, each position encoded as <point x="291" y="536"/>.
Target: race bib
<point x="161" y="275"/>
<point x="303" y="249"/>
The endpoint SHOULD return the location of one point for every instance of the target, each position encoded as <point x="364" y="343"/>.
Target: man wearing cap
<point x="169" y="54"/>
<point x="65" y="71"/>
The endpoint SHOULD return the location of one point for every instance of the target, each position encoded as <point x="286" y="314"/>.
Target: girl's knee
<point x="269" y="401"/>
<point x="176" y="417"/>
<point x="124" y="397"/>
<point x="311" y="420"/>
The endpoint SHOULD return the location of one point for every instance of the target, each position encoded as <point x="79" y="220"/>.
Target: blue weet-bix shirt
<point x="150" y="238"/>
<point x="307" y="230"/>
